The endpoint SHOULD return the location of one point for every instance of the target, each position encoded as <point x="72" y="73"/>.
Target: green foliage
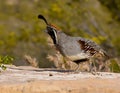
<point x="5" y="60"/>
<point x="22" y="33"/>
<point x="3" y="67"/>
<point x="114" y="67"/>
<point x="113" y="6"/>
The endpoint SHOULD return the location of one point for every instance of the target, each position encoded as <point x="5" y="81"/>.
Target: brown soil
<point x="33" y="80"/>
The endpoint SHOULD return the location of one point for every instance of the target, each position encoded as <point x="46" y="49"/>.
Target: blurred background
<point x="22" y="33"/>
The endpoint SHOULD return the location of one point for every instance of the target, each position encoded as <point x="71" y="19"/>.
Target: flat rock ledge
<point x="26" y="79"/>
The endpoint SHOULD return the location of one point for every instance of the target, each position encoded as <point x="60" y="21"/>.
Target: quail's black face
<point x="53" y="33"/>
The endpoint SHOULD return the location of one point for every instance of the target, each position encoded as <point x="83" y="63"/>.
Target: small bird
<point x="76" y="49"/>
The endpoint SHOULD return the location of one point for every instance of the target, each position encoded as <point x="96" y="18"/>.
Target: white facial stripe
<point x="55" y="36"/>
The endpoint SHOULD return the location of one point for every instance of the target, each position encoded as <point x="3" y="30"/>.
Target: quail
<point x="76" y="49"/>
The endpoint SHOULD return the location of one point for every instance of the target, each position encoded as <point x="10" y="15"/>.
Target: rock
<point x="33" y="80"/>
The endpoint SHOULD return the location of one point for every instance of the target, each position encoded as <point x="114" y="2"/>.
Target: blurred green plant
<point x="22" y="33"/>
<point x="5" y="60"/>
<point x="114" y="67"/>
<point x="113" y="6"/>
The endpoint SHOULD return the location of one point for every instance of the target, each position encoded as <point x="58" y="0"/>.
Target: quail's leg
<point x="92" y="66"/>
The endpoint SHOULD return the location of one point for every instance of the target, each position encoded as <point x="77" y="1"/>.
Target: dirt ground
<point x="27" y="79"/>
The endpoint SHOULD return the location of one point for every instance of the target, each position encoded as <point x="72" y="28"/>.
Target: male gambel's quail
<point x="76" y="49"/>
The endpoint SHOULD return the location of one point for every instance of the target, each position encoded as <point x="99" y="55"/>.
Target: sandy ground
<point x="33" y="80"/>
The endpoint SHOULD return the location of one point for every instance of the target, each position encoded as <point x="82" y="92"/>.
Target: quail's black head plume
<point x="42" y="17"/>
<point x="48" y="24"/>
